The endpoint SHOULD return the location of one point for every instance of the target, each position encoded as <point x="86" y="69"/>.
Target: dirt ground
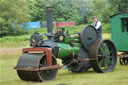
<point x="10" y="51"/>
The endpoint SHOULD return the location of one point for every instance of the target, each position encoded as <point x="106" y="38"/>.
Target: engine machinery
<point x="79" y="53"/>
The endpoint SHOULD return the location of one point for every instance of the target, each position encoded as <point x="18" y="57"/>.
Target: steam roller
<point x="79" y="52"/>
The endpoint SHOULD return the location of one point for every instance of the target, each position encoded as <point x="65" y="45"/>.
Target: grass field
<point x="8" y="75"/>
<point x="11" y="51"/>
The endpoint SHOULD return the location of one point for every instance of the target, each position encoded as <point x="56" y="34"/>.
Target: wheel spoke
<point x="106" y="65"/>
<point x="110" y="52"/>
<point x="109" y="57"/>
<point x="101" y="49"/>
<point x="106" y="48"/>
<point x="100" y="55"/>
<point x="108" y="61"/>
<point x="101" y="62"/>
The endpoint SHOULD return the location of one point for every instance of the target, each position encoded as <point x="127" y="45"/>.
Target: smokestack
<point x="49" y="20"/>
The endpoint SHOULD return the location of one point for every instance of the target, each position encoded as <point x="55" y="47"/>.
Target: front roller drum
<point x="105" y="54"/>
<point x="35" y="61"/>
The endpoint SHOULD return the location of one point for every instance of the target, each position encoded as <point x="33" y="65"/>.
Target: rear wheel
<point x="105" y="54"/>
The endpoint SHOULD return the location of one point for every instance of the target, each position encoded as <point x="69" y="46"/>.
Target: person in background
<point x="98" y="26"/>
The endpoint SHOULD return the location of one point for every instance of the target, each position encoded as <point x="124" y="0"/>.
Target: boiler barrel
<point x="66" y="50"/>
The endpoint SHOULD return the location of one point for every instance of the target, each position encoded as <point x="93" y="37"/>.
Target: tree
<point x="37" y="9"/>
<point x="105" y="8"/>
<point x="119" y="5"/>
<point x="12" y="11"/>
<point x="63" y="10"/>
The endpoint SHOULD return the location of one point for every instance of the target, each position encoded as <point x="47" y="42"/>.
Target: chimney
<point x="49" y="20"/>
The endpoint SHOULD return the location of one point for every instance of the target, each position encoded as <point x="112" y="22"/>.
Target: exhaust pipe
<point x="49" y="20"/>
<point x="49" y="24"/>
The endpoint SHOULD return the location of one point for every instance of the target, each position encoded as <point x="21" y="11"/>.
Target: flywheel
<point x="105" y="56"/>
<point x="88" y="36"/>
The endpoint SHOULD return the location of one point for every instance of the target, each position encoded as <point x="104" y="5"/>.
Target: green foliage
<point x="98" y="7"/>
<point x="37" y="9"/>
<point x="103" y="9"/>
<point x="63" y="10"/>
<point x="22" y="38"/>
<point x="74" y="29"/>
<point x="106" y="28"/>
<point x="12" y="11"/>
<point x="79" y="11"/>
<point x="15" y="38"/>
<point x="119" y="5"/>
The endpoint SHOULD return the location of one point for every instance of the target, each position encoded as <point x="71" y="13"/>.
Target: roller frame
<point x="48" y="52"/>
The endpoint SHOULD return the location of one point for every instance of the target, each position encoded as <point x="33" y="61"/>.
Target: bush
<point x="22" y="37"/>
<point x="74" y="29"/>
<point x="105" y="28"/>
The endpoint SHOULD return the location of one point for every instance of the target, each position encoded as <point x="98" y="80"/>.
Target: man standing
<point x="97" y="25"/>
